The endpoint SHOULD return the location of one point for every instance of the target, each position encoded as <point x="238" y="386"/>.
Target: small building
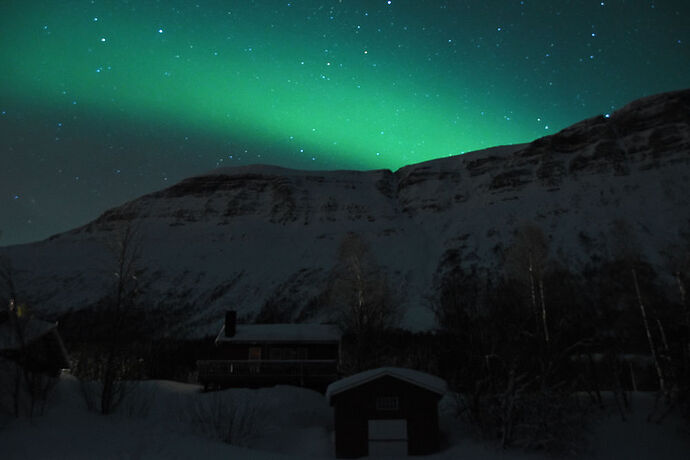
<point x="258" y="355"/>
<point x="32" y="343"/>
<point x="387" y="411"/>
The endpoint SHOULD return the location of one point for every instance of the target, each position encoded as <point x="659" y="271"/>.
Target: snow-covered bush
<point x="106" y="380"/>
<point x="134" y="399"/>
<point x="224" y="416"/>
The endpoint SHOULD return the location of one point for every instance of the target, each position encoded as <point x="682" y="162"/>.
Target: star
<point x="248" y="77"/>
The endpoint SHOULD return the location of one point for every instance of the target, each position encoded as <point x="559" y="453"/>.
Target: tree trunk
<point x="108" y="385"/>
<point x="652" y="348"/>
<point x="681" y="290"/>
<point x="633" y="381"/>
<point x="595" y="378"/>
<point x="663" y="334"/>
<point x="543" y="313"/>
<point x="533" y="292"/>
<point x="508" y="406"/>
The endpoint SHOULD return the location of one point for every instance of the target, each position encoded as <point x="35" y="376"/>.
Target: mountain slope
<point x="239" y="237"/>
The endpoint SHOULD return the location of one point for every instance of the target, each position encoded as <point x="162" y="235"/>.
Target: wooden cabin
<point x="387" y="411"/>
<point x="258" y="355"/>
<point x="32" y="343"/>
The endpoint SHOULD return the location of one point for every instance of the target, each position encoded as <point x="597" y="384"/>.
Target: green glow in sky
<point x="321" y="89"/>
<point x="126" y="96"/>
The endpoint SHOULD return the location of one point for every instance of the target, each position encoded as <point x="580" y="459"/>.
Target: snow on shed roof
<point x="421" y="379"/>
<point x="30" y="329"/>
<point x="284" y="332"/>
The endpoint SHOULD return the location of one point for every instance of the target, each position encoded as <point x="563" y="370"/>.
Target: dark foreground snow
<point x="170" y="420"/>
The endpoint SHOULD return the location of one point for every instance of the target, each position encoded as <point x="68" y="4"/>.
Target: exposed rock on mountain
<point x="244" y="237"/>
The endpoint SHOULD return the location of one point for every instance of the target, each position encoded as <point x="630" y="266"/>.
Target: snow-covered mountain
<point x="235" y="237"/>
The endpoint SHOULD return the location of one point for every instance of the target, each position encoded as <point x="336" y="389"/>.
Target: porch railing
<point x="218" y="369"/>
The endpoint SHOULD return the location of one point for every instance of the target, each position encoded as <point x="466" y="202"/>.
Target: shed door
<point x="388" y="437"/>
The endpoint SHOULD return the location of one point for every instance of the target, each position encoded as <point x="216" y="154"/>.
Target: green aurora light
<point x="307" y="84"/>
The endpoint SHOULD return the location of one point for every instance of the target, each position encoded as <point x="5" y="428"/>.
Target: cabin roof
<point x="420" y="379"/>
<point x="22" y="331"/>
<point x="282" y="332"/>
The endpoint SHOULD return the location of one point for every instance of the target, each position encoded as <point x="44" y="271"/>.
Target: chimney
<point x="230" y="323"/>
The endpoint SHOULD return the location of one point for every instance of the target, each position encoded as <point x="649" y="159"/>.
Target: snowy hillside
<point x="235" y="237"/>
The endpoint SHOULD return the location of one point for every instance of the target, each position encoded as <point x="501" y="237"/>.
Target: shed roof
<point x="17" y="332"/>
<point x="420" y="379"/>
<point x="282" y="332"/>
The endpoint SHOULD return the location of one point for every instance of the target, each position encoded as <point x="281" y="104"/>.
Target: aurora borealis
<point x="102" y="101"/>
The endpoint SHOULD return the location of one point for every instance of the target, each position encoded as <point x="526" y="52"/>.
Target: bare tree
<point x="128" y="251"/>
<point x="678" y="263"/>
<point x="489" y="346"/>
<point x="526" y="261"/>
<point x="650" y="340"/>
<point x="105" y="372"/>
<point x="678" y="351"/>
<point x="360" y="289"/>
<point x="361" y="297"/>
<point x="626" y="249"/>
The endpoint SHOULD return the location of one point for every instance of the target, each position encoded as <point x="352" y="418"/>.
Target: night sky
<point x="103" y="101"/>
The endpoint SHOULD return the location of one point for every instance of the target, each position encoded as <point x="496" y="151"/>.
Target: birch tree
<point x="108" y="366"/>
<point x="360" y="296"/>
<point x="626" y="250"/>
<point x="678" y="265"/>
<point x="526" y="260"/>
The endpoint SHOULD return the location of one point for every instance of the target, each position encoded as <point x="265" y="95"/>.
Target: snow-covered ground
<point x="163" y="420"/>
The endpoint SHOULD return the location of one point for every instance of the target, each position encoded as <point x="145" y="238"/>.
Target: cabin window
<point x="254" y="353"/>
<point x="387" y="403"/>
<point x="282" y="353"/>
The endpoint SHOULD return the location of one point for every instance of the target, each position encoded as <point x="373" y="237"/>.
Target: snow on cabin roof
<point x="421" y="379"/>
<point x="30" y="329"/>
<point x="285" y="332"/>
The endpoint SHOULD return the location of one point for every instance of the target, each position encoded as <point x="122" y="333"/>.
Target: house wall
<point x="240" y="351"/>
<point x="351" y="429"/>
<point x="353" y="409"/>
<point x="289" y="365"/>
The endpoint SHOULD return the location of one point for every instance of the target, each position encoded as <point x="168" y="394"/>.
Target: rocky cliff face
<point x="242" y="237"/>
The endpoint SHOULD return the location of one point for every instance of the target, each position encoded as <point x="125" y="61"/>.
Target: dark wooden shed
<point x="387" y="411"/>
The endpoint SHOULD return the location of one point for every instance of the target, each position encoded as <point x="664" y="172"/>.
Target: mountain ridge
<point x="242" y="237"/>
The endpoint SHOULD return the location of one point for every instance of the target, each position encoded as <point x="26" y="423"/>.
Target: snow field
<point x="170" y="420"/>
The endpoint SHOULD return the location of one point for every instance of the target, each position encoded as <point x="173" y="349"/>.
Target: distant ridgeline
<point x="273" y="243"/>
